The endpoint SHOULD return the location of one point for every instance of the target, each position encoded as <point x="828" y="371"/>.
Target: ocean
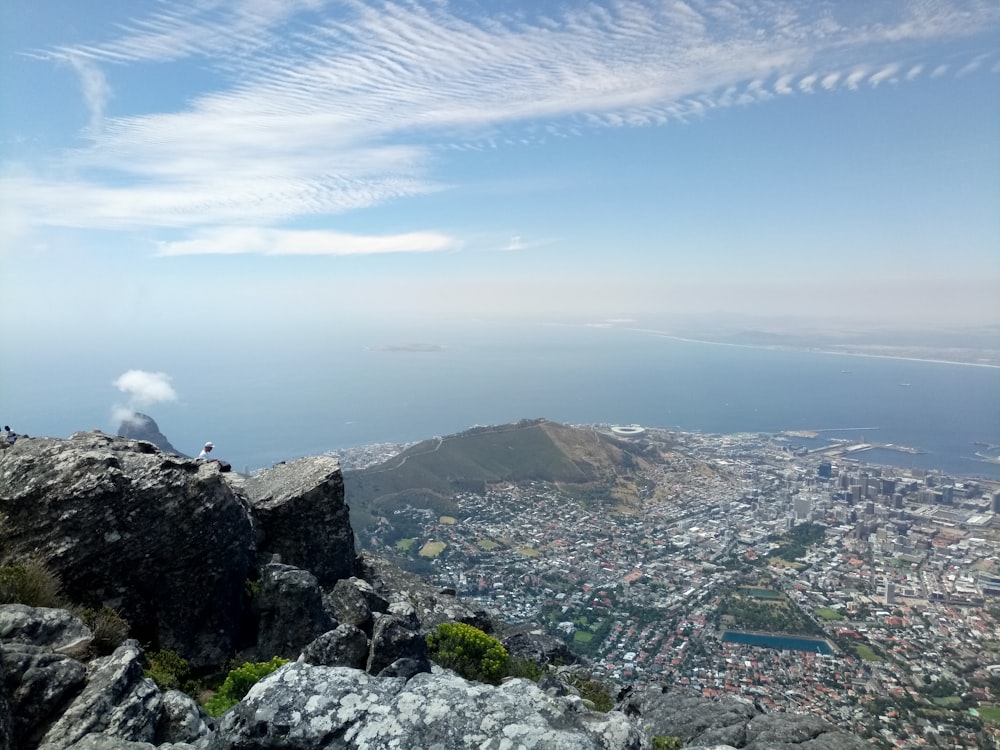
<point x="396" y="385"/>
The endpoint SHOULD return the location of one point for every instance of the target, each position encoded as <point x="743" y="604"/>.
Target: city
<point x="888" y="577"/>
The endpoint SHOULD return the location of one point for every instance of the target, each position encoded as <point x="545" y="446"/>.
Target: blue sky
<point x="270" y="166"/>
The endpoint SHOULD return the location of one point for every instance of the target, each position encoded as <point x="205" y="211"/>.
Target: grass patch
<point x="583" y="636"/>
<point x="989" y="713"/>
<point x="404" y="545"/>
<point x="448" y="520"/>
<point x="758" y="593"/>
<point x="432" y="549"/>
<point x="487" y="544"/>
<point x="779" y="562"/>
<point x="949" y="701"/>
<point x="528" y="552"/>
<point x="826" y="613"/>
<point x="865" y="653"/>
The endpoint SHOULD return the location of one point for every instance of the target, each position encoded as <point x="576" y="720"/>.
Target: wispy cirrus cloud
<point x="321" y="108"/>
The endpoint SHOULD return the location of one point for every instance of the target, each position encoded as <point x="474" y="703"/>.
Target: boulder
<point x="182" y="721"/>
<point x="705" y="722"/>
<point x="305" y="707"/>
<point x="6" y="719"/>
<point x="353" y="600"/>
<point x="344" y="646"/>
<point x="291" y="611"/>
<point x="394" y="638"/>
<point x="44" y="627"/>
<point x="117" y="701"/>
<point x="41" y="685"/>
<point x="163" y="540"/>
<point x="303" y="517"/>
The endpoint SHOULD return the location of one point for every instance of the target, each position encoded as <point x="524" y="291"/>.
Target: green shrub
<point x="30" y="582"/>
<point x="595" y="692"/>
<point x="167" y="669"/>
<point x="661" y="742"/>
<point x="468" y="651"/>
<point x="526" y="668"/>
<point x="238" y="683"/>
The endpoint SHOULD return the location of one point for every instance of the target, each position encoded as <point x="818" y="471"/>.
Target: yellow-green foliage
<point x="660" y="742"/>
<point x="30" y="582"/>
<point x="167" y="669"/>
<point x="469" y="651"/>
<point x="238" y="683"/>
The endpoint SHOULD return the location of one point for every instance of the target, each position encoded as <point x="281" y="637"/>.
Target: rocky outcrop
<point x="305" y="707"/>
<point x="163" y="540"/>
<point x="292" y="614"/>
<point x="303" y="517"/>
<point x="143" y="427"/>
<point x="733" y="723"/>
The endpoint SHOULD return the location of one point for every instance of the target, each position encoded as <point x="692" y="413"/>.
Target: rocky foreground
<point x="215" y="566"/>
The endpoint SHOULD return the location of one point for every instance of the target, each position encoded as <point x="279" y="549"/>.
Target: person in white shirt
<point x="206" y="452"/>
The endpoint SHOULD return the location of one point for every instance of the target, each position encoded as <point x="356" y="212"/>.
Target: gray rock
<point x="162" y="539"/>
<point x="41" y="684"/>
<point x="353" y="601"/>
<point x="55" y="629"/>
<point x="303" y="516"/>
<point x="344" y="646"/>
<point x="394" y="638"/>
<point x="692" y="718"/>
<point x="6" y="719"/>
<point x="117" y="701"/>
<point x="182" y="721"/>
<point x="538" y="647"/>
<point x="432" y="607"/>
<point x="292" y="613"/>
<point x="305" y="707"/>
<point x="798" y="732"/>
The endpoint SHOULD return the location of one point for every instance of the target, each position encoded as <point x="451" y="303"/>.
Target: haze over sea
<point x="287" y="398"/>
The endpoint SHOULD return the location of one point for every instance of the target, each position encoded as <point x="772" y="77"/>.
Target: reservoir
<point x="783" y="642"/>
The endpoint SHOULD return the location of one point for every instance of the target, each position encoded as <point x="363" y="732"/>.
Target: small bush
<point x="167" y="669"/>
<point x="595" y="692"/>
<point x="529" y="670"/>
<point x="660" y="742"/>
<point x="110" y="629"/>
<point x="30" y="582"/>
<point x="468" y="651"/>
<point x="238" y="683"/>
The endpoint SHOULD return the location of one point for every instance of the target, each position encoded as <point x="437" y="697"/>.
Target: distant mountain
<point x="581" y="460"/>
<point x="143" y="427"/>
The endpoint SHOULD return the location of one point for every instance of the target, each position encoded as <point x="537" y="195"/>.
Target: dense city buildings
<point x="804" y="580"/>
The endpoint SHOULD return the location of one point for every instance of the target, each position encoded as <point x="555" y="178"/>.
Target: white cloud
<point x="249" y="240"/>
<point x="144" y="389"/>
<point x="321" y="108"/>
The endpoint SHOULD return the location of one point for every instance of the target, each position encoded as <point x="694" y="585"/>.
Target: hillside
<point x="581" y="460"/>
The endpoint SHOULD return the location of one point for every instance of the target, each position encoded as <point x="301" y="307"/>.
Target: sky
<point x="274" y="163"/>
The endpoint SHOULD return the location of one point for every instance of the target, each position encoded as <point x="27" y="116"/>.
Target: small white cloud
<point x="887" y="73"/>
<point x="782" y="85"/>
<point x="807" y="83"/>
<point x="144" y="388"/>
<point x="855" y="78"/>
<point x="255" y="241"/>
<point x="515" y="243"/>
<point x="939" y="71"/>
<point x="913" y="72"/>
<point x="830" y="81"/>
<point x="96" y="90"/>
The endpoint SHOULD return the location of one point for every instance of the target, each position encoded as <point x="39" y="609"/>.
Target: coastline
<point x="812" y="350"/>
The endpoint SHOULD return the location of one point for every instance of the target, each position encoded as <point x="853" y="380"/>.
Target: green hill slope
<point x="430" y="473"/>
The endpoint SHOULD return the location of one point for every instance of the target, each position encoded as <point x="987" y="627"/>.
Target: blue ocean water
<point x="291" y="398"/>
